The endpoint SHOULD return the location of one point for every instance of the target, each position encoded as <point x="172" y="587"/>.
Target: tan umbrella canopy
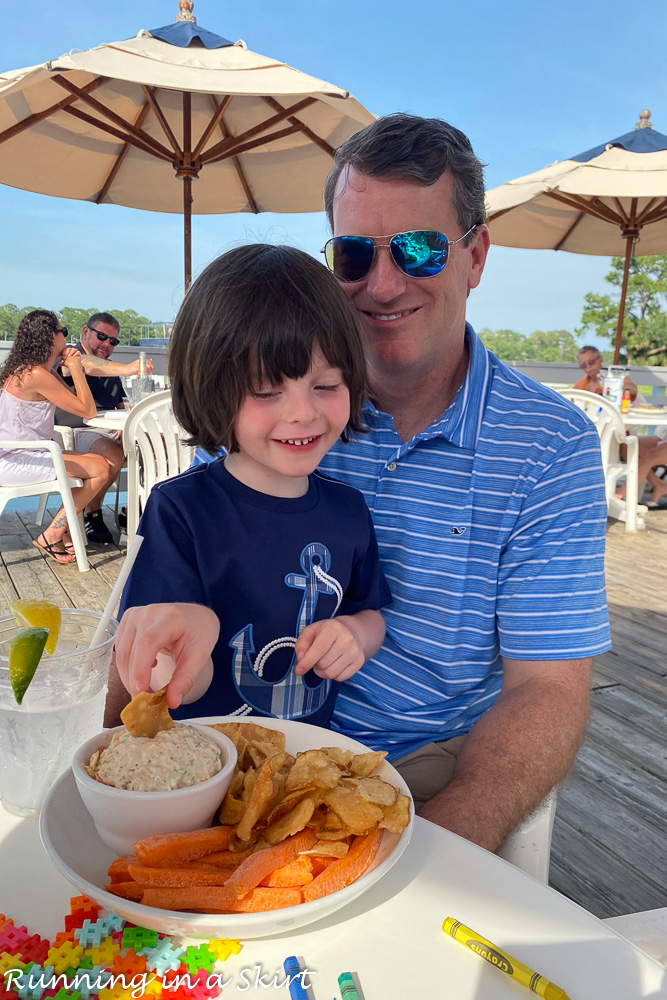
<point x="610" y="200"/>
<point x="118" y="123"/>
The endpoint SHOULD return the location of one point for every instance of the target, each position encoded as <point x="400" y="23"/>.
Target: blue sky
<point x="529" y="82"/>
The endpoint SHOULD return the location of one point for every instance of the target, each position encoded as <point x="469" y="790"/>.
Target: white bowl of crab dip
<point x="135" y="787"/>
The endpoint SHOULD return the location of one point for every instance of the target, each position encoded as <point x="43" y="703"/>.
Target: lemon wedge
<point x="38" y="614"/>
<point x="25" y="652"/>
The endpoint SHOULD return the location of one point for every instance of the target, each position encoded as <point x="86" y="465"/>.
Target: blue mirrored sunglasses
<point x="421" y="253"/>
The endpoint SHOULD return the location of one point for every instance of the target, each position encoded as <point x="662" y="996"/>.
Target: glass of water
<point x="63" y="707"/>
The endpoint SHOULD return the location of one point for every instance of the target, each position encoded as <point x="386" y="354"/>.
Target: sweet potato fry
<point x="167" y="850"/>
<point x="225" y="859"/>
<point x="126" y="890"/>
<point x="295" y="874"/>
<point x="192" y="875"/>
<point x="117" y="870"/>
<point x="251" y="871"/>
<point x="261" y="899"/>
<point x="345" y="870"/>
<point x="198" y="898"/>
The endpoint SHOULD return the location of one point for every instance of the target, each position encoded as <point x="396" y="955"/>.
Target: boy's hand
<point x="330" y="648"/>
<point x="185" y="632"/>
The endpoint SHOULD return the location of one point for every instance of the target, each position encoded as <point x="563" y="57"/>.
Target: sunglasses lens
<point x="420" y="254"/>
<point x="349" y="257"/>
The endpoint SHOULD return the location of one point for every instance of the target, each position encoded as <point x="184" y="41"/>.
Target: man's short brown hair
<point x="403" y="145"/>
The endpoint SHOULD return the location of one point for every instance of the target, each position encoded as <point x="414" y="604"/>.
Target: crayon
<point x="347" y="986"/>
<point x="502" y="961"/>
<point x="294" y="973"/>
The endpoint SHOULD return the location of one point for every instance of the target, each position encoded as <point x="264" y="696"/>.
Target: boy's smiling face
<point x="284" y="431"/>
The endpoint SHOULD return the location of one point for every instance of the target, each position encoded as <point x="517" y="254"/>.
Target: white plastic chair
<point x="61" y="484"/>
<point x="612" y="434"/>
<point x="152" y="443"/>
<point x="528" y="845"/>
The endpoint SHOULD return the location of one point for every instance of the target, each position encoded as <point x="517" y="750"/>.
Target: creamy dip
<point x="174" y="758"/>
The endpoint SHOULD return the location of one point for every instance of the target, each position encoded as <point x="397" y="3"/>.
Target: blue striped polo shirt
<point x="490" y="525"/>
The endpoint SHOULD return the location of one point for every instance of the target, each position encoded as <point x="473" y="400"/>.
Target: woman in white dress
<point x="29" y="392"/>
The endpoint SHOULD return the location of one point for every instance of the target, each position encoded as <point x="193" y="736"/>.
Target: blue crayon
<point x="347" y="986"/>
<point x="294" y="973"/>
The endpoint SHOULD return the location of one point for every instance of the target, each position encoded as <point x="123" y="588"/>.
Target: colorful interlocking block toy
<point x="65" y="956"/>
<point x="199" y="958"/>
<point x="138" y="938"/>
<point x="99" y="960"/>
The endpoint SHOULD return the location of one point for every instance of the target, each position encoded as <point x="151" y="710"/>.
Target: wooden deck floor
<point x="610" y="835"/>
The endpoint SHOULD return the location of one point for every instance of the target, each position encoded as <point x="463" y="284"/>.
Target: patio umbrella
<point x="610" y="200"/>
<point x="136" y="122"/>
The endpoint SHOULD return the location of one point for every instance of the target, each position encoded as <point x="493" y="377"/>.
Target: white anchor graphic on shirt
<point x="288" y="697"/>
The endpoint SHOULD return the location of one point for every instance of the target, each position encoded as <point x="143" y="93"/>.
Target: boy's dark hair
<point x="32" y="345"/>
<point x="403" y="145"/>
<point x="257" y="313"/>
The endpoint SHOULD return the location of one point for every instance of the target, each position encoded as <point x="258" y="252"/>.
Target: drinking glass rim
<point x="56" y="657"/>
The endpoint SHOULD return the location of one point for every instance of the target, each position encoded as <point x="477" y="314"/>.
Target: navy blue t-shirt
<point x="267" y="566"/>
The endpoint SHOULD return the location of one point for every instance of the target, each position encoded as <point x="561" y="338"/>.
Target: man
<point x="487" y="496"/>
<point x="99" y="337"/>
<point x="486" y="493"/>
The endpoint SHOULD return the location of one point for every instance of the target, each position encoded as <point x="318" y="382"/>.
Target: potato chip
<point x="327" y="849"/>
<point x="373" y="790"/>
<point x="288" y="800"/>
<point x="313" y="767"/>
<point x="263" y="792"/>
<point x="364" y="764"/>
<point x="354" y="811"/>
<point x="251" y="732"/>
<point x="339" y="756"/>
<point x="147" y="714"/>
<point x="397" y="816"/>
<point x="292" y="822"/>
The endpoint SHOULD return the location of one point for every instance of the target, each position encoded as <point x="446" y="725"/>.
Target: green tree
<point x="75" y="319"/>
<point x="129" y="325"/>
<point x="10" y="317"/>
<point x="508" y="345"/>
<point x="555" y="345"/>
<point x="644" y="338"/>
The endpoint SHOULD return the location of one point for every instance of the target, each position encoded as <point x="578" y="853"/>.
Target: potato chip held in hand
<point x="147" y="714"/>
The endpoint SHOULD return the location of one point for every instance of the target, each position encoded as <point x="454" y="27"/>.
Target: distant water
<point x="30" y="503"/>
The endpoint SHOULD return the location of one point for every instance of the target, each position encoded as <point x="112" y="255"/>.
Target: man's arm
<point x="517" y="751"/>
<point x="102" y="367"/>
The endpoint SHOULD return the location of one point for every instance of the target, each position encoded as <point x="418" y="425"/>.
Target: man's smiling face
<point x="409" y="323"/>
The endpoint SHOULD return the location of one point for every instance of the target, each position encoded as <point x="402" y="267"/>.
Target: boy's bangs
<point x="280" y="354"/>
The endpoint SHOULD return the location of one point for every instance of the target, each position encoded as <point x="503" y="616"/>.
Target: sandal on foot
<point x="59" y="555"/>
<point x="68" y="544"/>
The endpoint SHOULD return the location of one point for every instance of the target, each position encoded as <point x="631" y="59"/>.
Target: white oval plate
<point x="72" y="843"/>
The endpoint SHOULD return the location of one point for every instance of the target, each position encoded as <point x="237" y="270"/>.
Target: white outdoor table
<point x="391" y="936"/>
<point x="112" y="420"/>
<point x="645" y="418"/>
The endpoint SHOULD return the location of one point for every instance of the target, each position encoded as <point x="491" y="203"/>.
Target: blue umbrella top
<point x="642" y="139"/>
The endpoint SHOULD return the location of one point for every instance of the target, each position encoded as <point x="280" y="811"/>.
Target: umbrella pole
<point x="187" y="231"/>
<point x="624" y="291"/>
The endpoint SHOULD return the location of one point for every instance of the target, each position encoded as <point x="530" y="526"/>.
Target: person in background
<point x="591" y="361"/>
<point x="29" y="392"/>
<point x="99" y="337"/>
<point x="267" y="565"/>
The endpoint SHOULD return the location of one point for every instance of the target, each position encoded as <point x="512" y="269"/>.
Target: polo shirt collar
<point x="461" y="422"/>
